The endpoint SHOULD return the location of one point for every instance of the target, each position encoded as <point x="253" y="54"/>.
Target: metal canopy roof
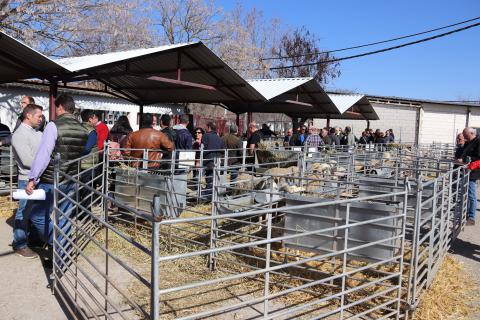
<point x="352" y="106"/>
<point x="18" y="61"/>
<point x="175" y="73"/>
<point x="288" y="95"/>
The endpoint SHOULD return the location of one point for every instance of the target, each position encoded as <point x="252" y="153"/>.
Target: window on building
<point x="111" y="117"/>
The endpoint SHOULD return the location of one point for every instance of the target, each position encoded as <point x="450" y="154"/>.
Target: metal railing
<point x="309" y="233"/>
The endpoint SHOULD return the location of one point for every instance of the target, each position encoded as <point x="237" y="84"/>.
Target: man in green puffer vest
<point x="67" y="137"/>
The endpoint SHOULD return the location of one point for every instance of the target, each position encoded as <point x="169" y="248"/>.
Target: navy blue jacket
<point x="211" y="141"/>
<point x="183" y="138"/>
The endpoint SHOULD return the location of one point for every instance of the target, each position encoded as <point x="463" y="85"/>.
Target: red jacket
<point x="102" y="135"/>
<point x="475" y="165"/>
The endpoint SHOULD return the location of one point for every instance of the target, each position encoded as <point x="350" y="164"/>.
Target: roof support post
<point x="141" y="115"/>
<point x="328" y="122"/>
<point x="51" y="103"/>
<point x="179" y="65"/>
<point x="237" y="120"/>
<point x="249" y="117"/>
<point x="368" y="124"/>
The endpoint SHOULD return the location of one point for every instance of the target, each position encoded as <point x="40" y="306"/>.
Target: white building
<point x="10" y="95"/>
<point x="420" y="121"/>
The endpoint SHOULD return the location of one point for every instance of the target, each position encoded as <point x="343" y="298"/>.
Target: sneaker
<point x="26" y="253"/>
<point x="470" y="222"/>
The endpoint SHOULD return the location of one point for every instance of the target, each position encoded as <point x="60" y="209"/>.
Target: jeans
<point x="41" y="210"/>
<point x="472" y="199"/>
<point x="20" y="226"/>
<point x="208" y="179"/>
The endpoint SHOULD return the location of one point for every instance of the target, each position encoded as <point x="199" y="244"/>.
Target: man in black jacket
<point x="472" y="151"/>
<point x="214" y="148"/>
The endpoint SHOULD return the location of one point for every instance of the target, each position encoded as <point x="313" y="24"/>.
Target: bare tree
<point x="186" y="20"/>
<point x="73" y="27"/>
<point x="247" y="37"/>
<point x="300" y="47"/>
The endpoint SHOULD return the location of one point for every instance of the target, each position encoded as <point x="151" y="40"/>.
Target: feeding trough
<point x="333" y="216"/>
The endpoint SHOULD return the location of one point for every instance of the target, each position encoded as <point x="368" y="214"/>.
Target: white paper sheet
<point x="20" y="194"/>
<point x="186" y="159"/>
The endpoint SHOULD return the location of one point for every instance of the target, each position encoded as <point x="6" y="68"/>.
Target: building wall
<point x="474" y="120"/>
<point x="11" y="95"/>
<point x="441" y="123"/>
<point x="402" y="119"/>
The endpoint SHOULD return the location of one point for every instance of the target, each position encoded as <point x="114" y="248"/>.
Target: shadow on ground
<point x="466" y="249"/>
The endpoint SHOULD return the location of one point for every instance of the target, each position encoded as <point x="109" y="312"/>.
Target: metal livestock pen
<point x="332" y="234"/>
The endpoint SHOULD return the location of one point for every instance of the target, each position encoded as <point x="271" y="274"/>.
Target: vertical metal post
<point x="345" y="258"/>
<point x="11" y="170"/>
<point x="402" y="247"/>
<point x="105" y="205"/>
<point x="237" y="120"/>
<point x="52" y="96"/>
<point x="56" y="178"/>
<point x="431" y="243"/>
<point x="249" y="117"/>
<point x="155" y="267"/>
<point x="412" y="292"/>
<point x="140" y="117"/>
<point x="266" y="289"/>
<point x="200" y="172"/>
<point x="244" y="158"/>
<point x="213" y="226"/>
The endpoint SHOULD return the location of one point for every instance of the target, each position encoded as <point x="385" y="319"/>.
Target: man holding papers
<point x="65" y="136"/>
<point x="25" y="143"/>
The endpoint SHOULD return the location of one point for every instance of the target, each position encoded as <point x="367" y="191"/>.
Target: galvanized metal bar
<point x="155" y="266"/>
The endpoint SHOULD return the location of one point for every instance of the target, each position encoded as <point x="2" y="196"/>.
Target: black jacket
<point x="472" y="150"/>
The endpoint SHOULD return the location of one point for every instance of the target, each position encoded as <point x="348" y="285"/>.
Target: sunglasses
<point x="198" y="132"/>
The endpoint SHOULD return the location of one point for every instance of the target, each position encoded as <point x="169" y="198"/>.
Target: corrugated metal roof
<point x="271" y="88"/>
<point x="128" y="72"/>
<point x="352" y="106"/>
<point x="291" y="96"/>
<point x="18" y="61"/>
<point x="344" y="101"/>
<point x="86" y="62"/>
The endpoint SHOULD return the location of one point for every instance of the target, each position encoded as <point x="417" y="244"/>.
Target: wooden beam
<point x="182" y="83"/>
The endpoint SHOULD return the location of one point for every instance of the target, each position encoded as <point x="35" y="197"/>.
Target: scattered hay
<point x="451" y="295"/>
<point x="7" y="207"/>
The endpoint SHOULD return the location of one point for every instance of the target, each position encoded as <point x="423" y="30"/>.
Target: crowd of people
<point x="335" y="136"/>
<point x="35" y="144"/>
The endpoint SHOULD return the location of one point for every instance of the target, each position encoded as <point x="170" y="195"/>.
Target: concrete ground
<point x="467" y="249"/>
<point x="24" y="285"/>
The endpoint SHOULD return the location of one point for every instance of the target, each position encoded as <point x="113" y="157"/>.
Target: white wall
<point x="10" y="103"/>
<point x="474" y="117"/>
<point x="441" y="123"/>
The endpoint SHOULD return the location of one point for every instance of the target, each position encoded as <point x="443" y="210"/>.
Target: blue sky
<point x="442" y="69"/>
